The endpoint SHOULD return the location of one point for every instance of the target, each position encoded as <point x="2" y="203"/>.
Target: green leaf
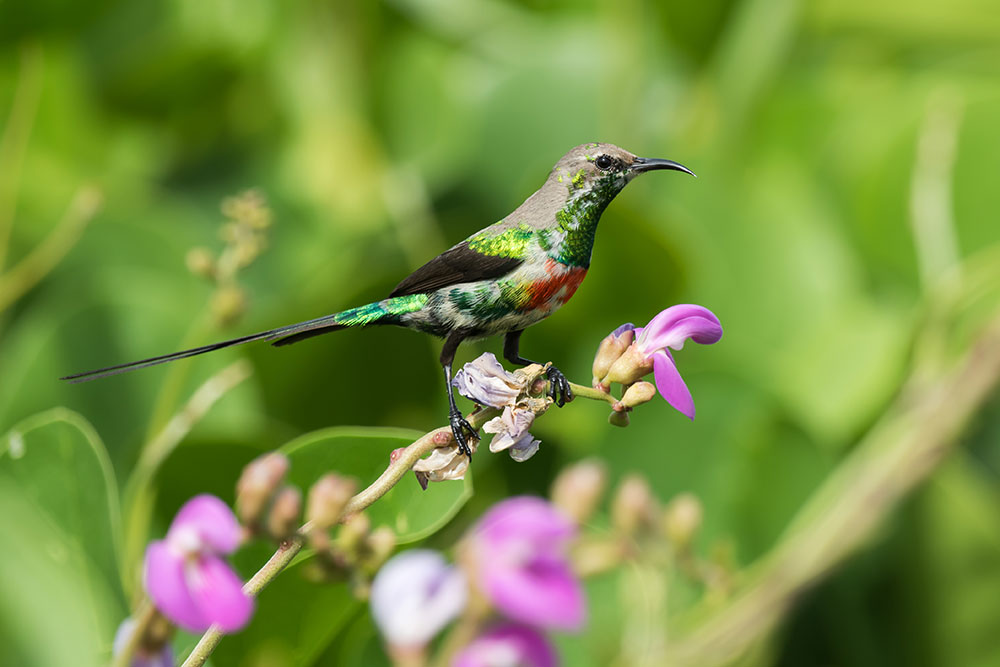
<point x="61" y="533"/>
<point x="363" y="453"/>
<point x="296" y="618"/>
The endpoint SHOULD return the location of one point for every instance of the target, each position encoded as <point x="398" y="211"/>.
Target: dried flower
<point x="485" y="381"/>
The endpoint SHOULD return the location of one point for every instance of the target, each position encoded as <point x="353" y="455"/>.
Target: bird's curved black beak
<point x="641" y="164"/>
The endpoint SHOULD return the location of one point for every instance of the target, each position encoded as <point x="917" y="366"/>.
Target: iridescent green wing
<point x="483" y="256"/>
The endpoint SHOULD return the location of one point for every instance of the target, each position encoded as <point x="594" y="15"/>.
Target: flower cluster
<point x="486" y="382"/>
<point x="629" y="353"/>
<point x="244" y="232"/>
<point x="514" y="562"/>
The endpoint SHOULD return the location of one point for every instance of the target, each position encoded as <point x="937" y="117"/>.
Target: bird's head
<point x="599" y="167"/>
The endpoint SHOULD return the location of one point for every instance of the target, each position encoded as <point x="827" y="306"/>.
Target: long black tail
<point x="285" y="335"/>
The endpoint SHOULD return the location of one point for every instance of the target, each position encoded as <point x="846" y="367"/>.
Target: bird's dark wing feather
<point x="460" y="264"/>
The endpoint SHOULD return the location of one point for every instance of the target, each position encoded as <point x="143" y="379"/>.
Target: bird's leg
<point x="459" y="425"/>
<point x="559" y="388"/>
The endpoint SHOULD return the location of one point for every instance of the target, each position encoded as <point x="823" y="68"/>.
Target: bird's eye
<point x="603" y="162"/>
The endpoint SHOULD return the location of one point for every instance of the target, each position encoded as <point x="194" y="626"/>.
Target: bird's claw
<point x="459" y="428"/>
<point x="559" y="389"/>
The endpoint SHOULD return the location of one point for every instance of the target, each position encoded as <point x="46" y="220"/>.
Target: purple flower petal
<point x="676" y="324"/>
<point x="511" y="427"/>
<point x="628" y="326"/>
<point x="524" y="449"/>
<point x="524" y="519"/>
<point x="211" y="520"/>
<point x="163" y="579"/>
<point x="486" y="382"/>
<point x="415" y="595"/>
<point x="164" y="657"/>
<point x="508" y="644"/>
<point x="218" y="593"/>
<point x="542" y="592"/>
<point x="670" y="385"/>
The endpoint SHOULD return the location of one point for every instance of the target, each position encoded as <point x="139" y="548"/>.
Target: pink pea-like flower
<point x="649" y="352"/>
<point x="185" y="576"/>
<point x="518" y="552"/>
<point x="507" y="645"/>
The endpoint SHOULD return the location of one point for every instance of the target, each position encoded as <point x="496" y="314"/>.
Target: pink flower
<point x="184" y="575"/>
<point x="507" y="645"/>
<point x="518" y="551"/>
<point x="669" y="329"/>
<point x="415" y="595"/>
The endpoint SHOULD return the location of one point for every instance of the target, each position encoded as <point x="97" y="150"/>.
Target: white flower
<point x="511" y="429"/>
<point x="485" y="381"/>
<point x="415" y="595"/>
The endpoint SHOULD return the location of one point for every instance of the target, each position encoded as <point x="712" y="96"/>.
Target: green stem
<point x="388" y="479"/>
<point x="901" y="451"/>
<point x="14" y="141"/>
<point x="139" y="494"/>
<point x="287" y="551"/>
<point x="582" y="391"/>
<point x="43" y="258"/>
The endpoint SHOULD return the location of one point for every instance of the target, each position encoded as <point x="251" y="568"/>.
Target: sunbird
<point x="500" y="280"/>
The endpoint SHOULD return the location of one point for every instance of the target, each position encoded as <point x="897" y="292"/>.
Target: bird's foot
<point x="461" y="428"/>
<point x="559" y="389"/>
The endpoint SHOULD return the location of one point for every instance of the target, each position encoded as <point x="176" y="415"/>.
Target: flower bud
<point x="682" y="519"/>
<point x="578" y="488"/>
<point x="631" y="366"/>
<point x="618" y="418"/>
<point x="608" y="352"/>
<point x="228" y="303"/>
<point x="201" y="263"/>
<point x="257" y="483"/>
<point x="638" y="393"/>
<point x="284" y="517"/>
<point x="633" y="505"/>
<point x="353" y="534"/>
<point x="327" y="499"/>
<point x="380" y="545"/>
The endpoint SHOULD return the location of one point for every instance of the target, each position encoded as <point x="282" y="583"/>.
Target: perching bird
<point x="500" y="280"/>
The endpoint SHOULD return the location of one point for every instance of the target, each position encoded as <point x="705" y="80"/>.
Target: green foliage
<point x="363" y="453"/>
<point x="381" y="133"/>
<point x="61" y="531"/>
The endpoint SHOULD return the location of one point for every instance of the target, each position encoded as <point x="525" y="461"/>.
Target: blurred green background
<point x="847" y="154"/>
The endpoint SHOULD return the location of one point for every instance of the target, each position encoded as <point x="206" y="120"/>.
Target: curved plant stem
<point x="901" y="451"/>
<point x="14" y="140"/>
<point x="139" y="495"/>
<point x="288" y="550"/>
<point x="42" y="259"/>
<point x="388" y="479"/>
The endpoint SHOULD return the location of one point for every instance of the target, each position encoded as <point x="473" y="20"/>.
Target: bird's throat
<point x="576" y="222"/>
